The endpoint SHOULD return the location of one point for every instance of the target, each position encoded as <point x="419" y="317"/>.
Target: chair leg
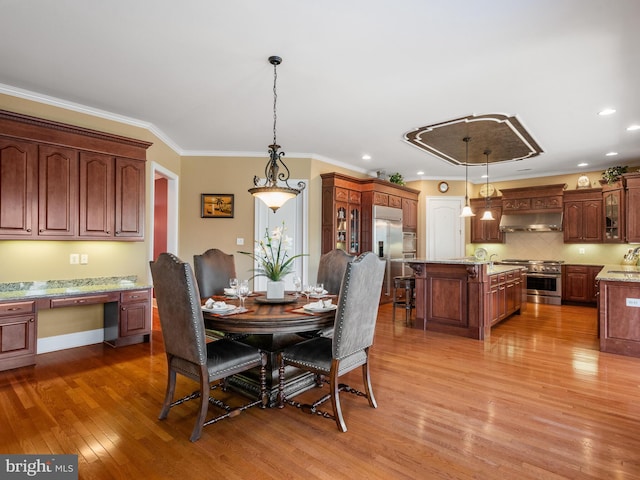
<point x="204" y="403"/>
<point x="263" y="381"/>
<point x="281" y="398"/>
<point x="366" y="379"/>
<point x="171" y="387"/>
<point x="335" y="396"/>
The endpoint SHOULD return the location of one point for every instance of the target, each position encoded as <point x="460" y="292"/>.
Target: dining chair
<point x="331" y="269"/>
<point x="355" y="323"/>
<point x="213" y="270"/>
<point x="188" y="352"/>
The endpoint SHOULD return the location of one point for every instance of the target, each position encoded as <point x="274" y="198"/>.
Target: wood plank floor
<point x="537" y="401"/>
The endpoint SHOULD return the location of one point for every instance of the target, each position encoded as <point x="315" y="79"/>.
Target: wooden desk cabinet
<point x="127" y="320"/>
<point x="17" y="334"/>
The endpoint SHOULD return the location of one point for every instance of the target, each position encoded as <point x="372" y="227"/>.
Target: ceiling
<point x="356" y="75"/>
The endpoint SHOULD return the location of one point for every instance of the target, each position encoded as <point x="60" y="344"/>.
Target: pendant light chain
<point x="275" y="100"/>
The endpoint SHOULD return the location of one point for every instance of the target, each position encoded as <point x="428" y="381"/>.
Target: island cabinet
<point x="347" y="210"/>
<point x="579" y="284"/>
<point x="61" y="182"/>
<point x="619" y="315"/>
<point x="505" y="294"/>
<point x="582" y="219"/>
<point x="486" y="231"/>
<point x="465" y="298"/>
<point x="632" y="203"/>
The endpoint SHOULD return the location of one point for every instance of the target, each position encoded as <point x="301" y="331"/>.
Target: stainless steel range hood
<point x="531" y="222"/>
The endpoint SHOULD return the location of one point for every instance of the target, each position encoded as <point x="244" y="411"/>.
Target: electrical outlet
<point x="84" y="259"/>
<point x="74" y="259"/>
<point x="581" y="251"/>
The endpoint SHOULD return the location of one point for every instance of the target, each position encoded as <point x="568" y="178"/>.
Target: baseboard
<point x="70" y="340"/>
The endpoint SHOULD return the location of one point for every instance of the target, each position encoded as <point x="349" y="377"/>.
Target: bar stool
<point x="403" y="295"/>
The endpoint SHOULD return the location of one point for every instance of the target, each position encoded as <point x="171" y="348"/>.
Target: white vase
<point x="275" y="290"/>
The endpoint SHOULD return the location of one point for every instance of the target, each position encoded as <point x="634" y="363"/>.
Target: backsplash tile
<point x="551" y="246"/>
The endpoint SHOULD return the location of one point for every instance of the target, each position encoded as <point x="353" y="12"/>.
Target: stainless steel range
<point x="544" y="279"/>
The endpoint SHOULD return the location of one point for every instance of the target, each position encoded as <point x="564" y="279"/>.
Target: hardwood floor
<point x="537" y="401"/>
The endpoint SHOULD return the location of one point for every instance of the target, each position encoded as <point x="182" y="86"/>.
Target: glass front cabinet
<point x="614" y="215"/>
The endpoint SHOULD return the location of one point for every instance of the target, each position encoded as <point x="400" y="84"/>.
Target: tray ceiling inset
<point x="503" y="135"/>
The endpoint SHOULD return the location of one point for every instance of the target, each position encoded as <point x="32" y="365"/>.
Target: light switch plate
<point x="74" y="259"/>
<point x="84" y="259"/>
<point x="239" y="241"/>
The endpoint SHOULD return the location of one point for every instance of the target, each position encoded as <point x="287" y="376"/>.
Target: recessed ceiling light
<point x="607" y="111"/>
<point x="366" y="156"/>
<point x="420" y="173"/>
<point x="583" y="164"/>
<point x="611" y="154"/>
<point x="633" y="127"/>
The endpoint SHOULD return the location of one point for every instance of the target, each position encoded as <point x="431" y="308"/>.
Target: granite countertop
<point x="452" y="261"/>
<point x="62" y="288"/>
<point x="619" y="273"/>
<point x="491" y="268"/>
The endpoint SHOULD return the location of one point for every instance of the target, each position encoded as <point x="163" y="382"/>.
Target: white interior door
<point x="294" y="215"/>
<point x="445" y="229"/>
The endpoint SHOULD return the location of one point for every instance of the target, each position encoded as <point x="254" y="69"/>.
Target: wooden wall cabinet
<point x="579" y="283"/>
<point x="341" y="218"/>
<point x="632" y="203"/>
<point x="67" y="183"/>
<point x="545" y="198"/>
<point x="582" y="220"/>
<point x="486" y="231"/>
<point x="347" y="209"/>
<point x="409" y="215"/>
<point x="613" y="209"/>
<point x="17" y="334"/>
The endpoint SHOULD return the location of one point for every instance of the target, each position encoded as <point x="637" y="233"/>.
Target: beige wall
<point x="49" y="260"/>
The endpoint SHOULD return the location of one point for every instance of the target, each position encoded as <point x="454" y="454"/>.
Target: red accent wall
<point x="160" y="217"/>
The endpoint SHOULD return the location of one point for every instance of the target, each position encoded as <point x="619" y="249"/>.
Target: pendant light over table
<point x="272" y="194"/>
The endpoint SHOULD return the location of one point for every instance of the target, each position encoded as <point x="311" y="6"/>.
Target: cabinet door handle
<point x="29" y="230"/>
<point x="79" y="301"/>
<point x="32" y="320"/>
<point x="13" y="309"/>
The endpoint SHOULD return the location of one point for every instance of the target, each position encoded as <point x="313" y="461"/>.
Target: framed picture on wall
<point x="216" y="205"/>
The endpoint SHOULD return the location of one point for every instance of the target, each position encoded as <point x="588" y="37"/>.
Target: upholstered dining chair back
<point x="179" y="309"/>
<point x="358" y="305"/>
<point x="188" y="352"/>
<point x="331" y="269"/>
<point x="213" y="270"/>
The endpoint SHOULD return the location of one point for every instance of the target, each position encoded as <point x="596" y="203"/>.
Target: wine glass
<point x="297" y="285"/>
<point x="243" y="291"/>
<point x="318" y="289"/>
<point x="233" y="283"/>
<point x="307" y="290"/>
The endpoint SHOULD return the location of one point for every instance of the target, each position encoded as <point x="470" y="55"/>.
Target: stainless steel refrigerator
<point x="387" y="242"/>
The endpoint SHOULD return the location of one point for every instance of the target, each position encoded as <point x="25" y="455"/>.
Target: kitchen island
<point x="465" y="296"/>
<point x="619" y="309"/>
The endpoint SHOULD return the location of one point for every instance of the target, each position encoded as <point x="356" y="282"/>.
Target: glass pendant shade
<point x="274" y="197"/>
<point x="487" y="215"/>
<point x="466" y="212"/>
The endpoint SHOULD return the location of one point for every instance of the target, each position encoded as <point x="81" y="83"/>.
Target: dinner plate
<point x="224" y="309"/>
<point x="315" y="309"/>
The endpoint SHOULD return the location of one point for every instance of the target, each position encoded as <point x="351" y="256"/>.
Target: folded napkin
<point x="213" y="305"/>
<point x="319" y="305"/>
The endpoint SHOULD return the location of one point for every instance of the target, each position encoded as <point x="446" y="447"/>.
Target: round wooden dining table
<point x="271" y="327"/>
<point x="263" y="317"/>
